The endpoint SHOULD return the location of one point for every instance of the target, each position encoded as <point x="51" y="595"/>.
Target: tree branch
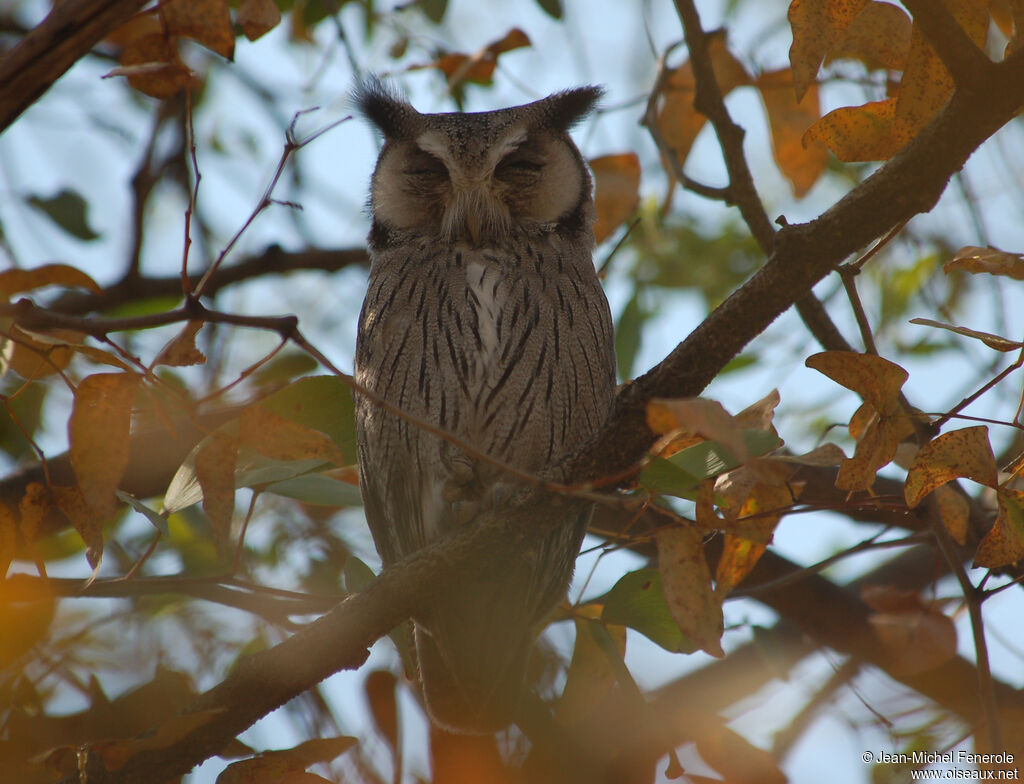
<point x="70" y="30"/>
<point x="966" y="63"/>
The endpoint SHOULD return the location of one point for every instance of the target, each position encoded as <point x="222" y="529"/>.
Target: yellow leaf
<point x="15" y="281"/>
<point x="706" y="418"/>
<point x="962" y="453"/>
<point x="1004" y="543"/>
<point x="181" y="351"/>
<point x="215" y="470"/>
<point x="817" y="26"/>
<point x="257" y="17"/>
<point x="879" y="37"/>
<point x="878" y="381"/>
<point x="99" y="431"/>
<point x="616" y="191"/>
<point x="687" y="584"/>
<point x="677" y="119"/>
<point x="954" y="512"/>
<point x="739" y="556"/>
<point x="282" y="439"/>
<point x="800" y="162"/>
<point x="857" y="133"/>
<point x="991" y="260"/>
<point x="205" y="21"/>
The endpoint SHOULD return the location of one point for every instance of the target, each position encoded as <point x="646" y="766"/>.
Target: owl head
<point x="478" y="178"/>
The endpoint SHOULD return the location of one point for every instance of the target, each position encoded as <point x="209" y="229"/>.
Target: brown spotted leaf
<point x="879" y="37"/>
<point x="1004" y="543"/>
<point x="964" y="453"/>
<point x="257" y="17"/>
<point x="205" y="21"/>
<point x="215" y="471"/>
<point x="688" y="591"/>
<point x="991" y="260"/>
<point x="817" y="26"/>
<point x="992" y="341"/>
<point x="801" y="163"/>
<point x="99" y="431"/>
<point x="857" y="133"/>
<point x="16" y="281"/>
<point x="954" y="511"/>
<point x="181" y="351"/>
<point x="616" y="191"/>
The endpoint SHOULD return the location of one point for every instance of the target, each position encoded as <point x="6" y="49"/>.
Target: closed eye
<point x="519" y="166"/>
<point x="423" y="164"/>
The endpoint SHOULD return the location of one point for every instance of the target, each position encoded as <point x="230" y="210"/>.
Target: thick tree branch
<point x="70" y="30"/>
<point x="908" y="184"/>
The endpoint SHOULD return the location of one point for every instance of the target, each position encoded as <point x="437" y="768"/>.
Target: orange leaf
<point x="678" y="120"/>
<point x="205" y="21"/>
<point x="878" y="381"/>
<point x="478" y="67"/>
<point x="15" y="281"/>
<point x="991" y="260"/>
<point x="42" y="353"/>
<point x="879" y="37"/>
<point x="152" y="66"/>
<point x="1004" y="543"/>
<point x="687" y="584"/>
<point x="181" y="351"/>
<point x="257" y="17"/>
<point x="959" y="453"/>
<point x="801" y="163"/>
<point x="278" y="438"/>
<point x="817" y="26"/>
<point x="616" y="191"/>
<point x="99" y="431"/>
<point x="215" y="470"/>
<point x="926" y="84"/>
<point x="857" y="133"/>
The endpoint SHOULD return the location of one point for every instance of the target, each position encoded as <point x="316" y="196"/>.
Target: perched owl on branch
<point x="484" y="317"/>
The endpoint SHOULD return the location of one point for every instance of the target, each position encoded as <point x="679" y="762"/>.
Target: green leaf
<point x="665" y="477"/>
<point x="434" y="9"/>
<point x="552" y="8"/>
<point x="68" y="210"/>
<point x="357" y="575"/>
<point x="318" y="489"/>
<point x="637" y="600"/>
<point x="158" y="520"/>
<point x="628" y="335"/>
<point x="323" y="403"/>
<point x="284" y="367"/>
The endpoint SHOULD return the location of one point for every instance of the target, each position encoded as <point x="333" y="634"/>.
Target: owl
<point x="484" y="317"/>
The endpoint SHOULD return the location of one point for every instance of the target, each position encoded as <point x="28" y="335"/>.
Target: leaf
<point x="697" y="416"/>
<point x="880" y="424"/>
<point x="317" y="489"/>
<point x="591" y="675"/>
<point x="205" y="21"/>
<point x="357" y="574"/>
<point x="316" y="750"/>
<point x="117" y="753"/>
<point x="99" y="431"/>
<point x="736" y="758"/>
<point x="215" y="472"/>
<point x="992" y="341"/>
<point x="801" y="161"/>
<point x="84" y="518"/>
<point x="380" y="688"/>
<point x="181" y="351"/>
<point x="637" y="601"/>
<point x="817" y="26"/>
<point x="158" y="520"/>
<point x="1004" y="543"/>
<point x="616" y="191"/>
<point x="39" y="354"/>
<point x="320" y="403"/>
<point x="738" y="559"/>
<point x="957" y="454"/>
<point x="33" y="508"/>
<point x="628" y="335"/>
<point x="857" y="133"/>
<point x="479" y="66"/>
<point x="257" y="17"/>
<point x="434" y="9"/>
<point x="15" y="281"/>
<point x="915" y="636"/>
<point x="687" y="585"/>
<point x="151" y="64"/>
<point x="677" y="119"/>
<point x="278" y="438"/>
<point x="69" y="211"/>
<point x="879" y="37"/>
<point x="973" y="259"/>
<point x="552" y="8"/>
<point x="954" y="512"/>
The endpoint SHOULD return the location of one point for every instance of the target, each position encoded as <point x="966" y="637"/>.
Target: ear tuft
<point x="382" y="106"/>
<point x="567" y="108"/>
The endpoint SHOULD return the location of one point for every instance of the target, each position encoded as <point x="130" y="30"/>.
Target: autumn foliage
<point x="171" y="447"/>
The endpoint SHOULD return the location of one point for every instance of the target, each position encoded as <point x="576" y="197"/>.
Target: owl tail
<point x="472" y="692"/>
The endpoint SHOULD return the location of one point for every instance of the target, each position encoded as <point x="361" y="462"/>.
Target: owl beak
<point x="473" y="227"/>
